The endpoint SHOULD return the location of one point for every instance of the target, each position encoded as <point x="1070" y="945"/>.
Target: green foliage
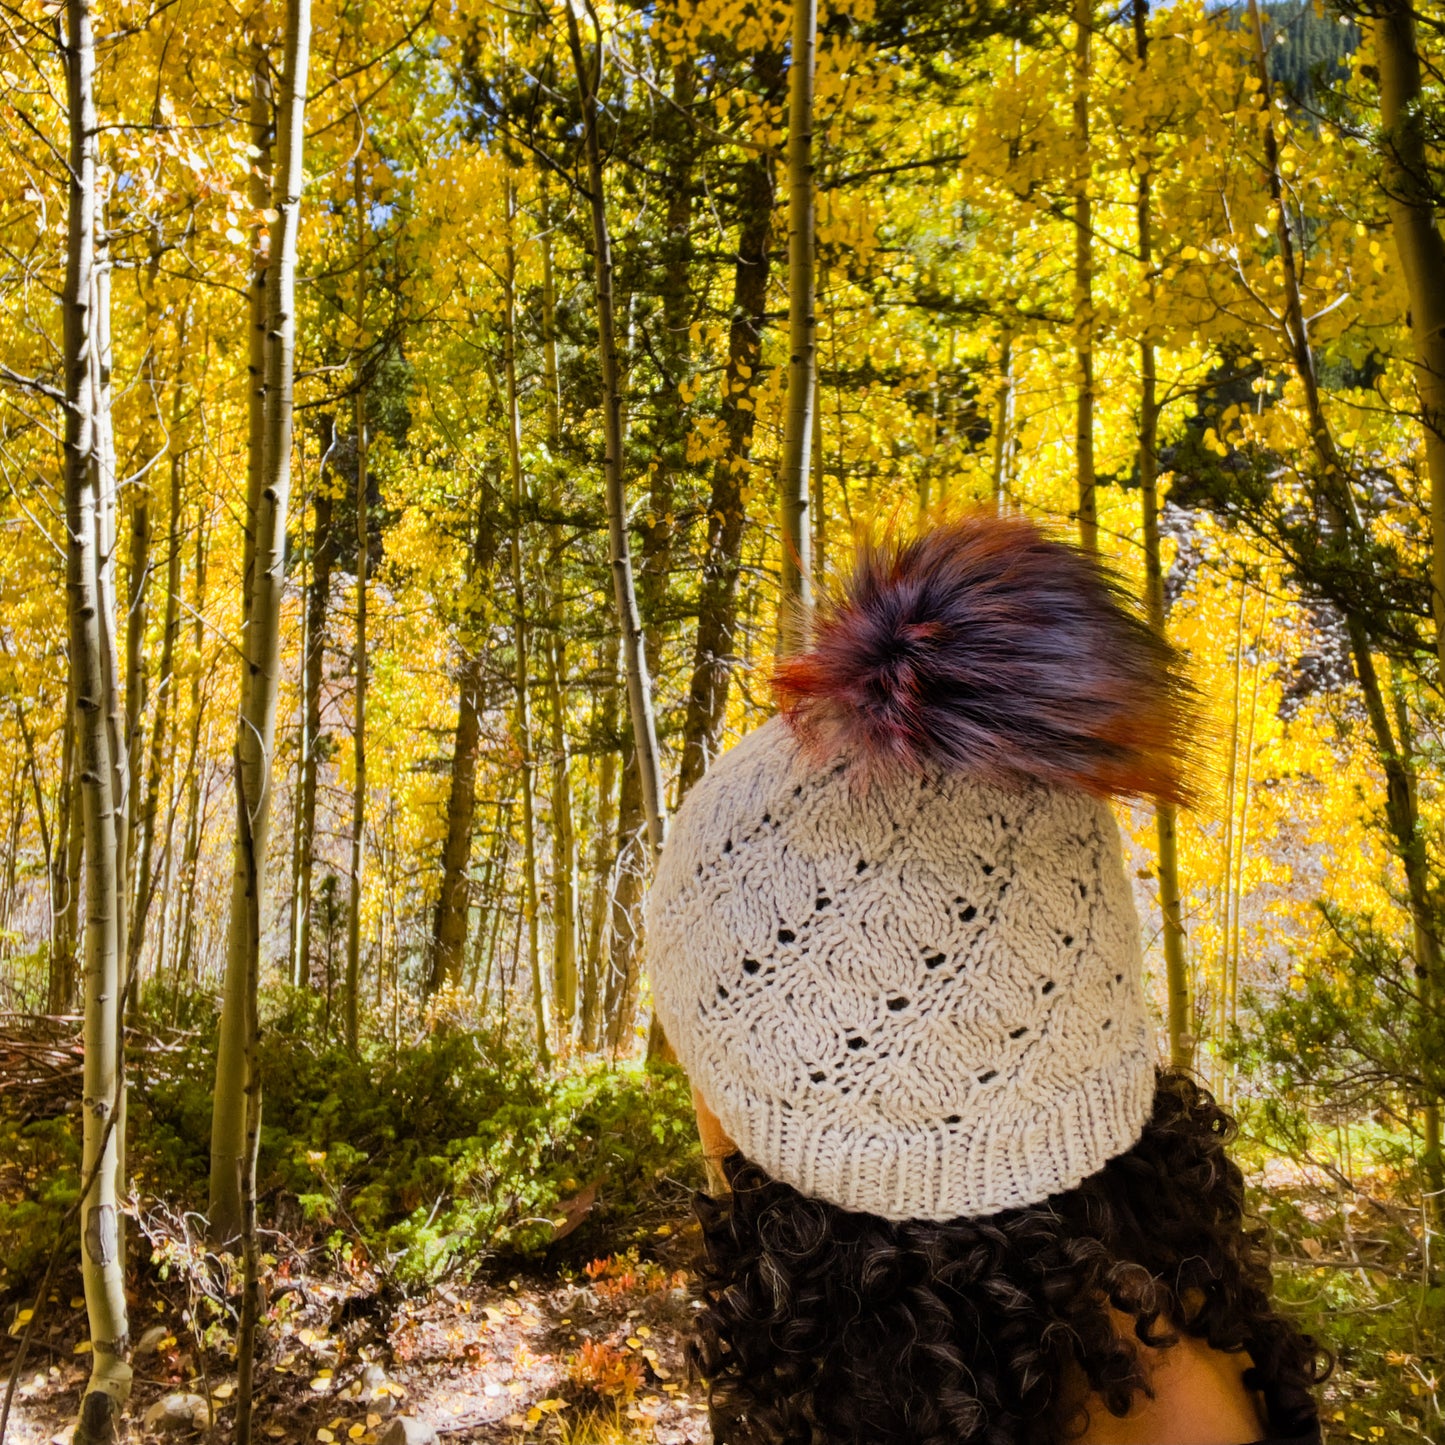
<point x="428" y="1159"/>
<point x="1348" y="1040"/>
<point x="1349" y="1268"/>
<point x="433" y="1156"/>
<point x="1309" y="46"/>
<point x="39" y="1181"/>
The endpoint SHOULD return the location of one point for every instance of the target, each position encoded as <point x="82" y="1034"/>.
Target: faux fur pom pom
<point x="989" y="647"/>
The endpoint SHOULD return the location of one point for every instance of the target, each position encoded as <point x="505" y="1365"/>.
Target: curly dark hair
<point x="821" y="1325"/>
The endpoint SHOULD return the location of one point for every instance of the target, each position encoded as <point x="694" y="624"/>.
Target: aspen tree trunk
<point x="486" y="910"/>
<point x="1241" y="849"/>
<point x="564" y="843"/>
<point x="166" y="933"/>
<point x="1231" y="774"/>
<point x="672" y="350"/>
<point x="165" y="687"/>
<point x="318" y="603"/>
<point x="137" y="600"/>
<point x="1003" y="424"/>
<point x="494" y="901"/>
<point x="74" y="875"/>
<point x="1422" y="254"/>
<point x="260" y="121"/>
<point x="106" y="513"/>
<point x="819" y="501"/>
<point x="356" y="863"/>
<point x="250" y="1244"/>
<point x="1401" y="811"/>
<point x="31" y="767"/>
<point x="257" y="729"/>
<point x="303" y="738"/>
<point x="102" y="1264"/>
<point x="12" y="849"/>
<point x="386" y="945"/>
<point x="796" y="603"/>
<point x="192" y="847"/>
<point x="522" y="715"/>
<point x="1166" y="817"/>
<point x="629" y="876"/>
<point x="639" y="684"/>
<point x="65" y="861"/>
<point x="137" y="610"/>
<point x="564" y="831"/>
<point x="363" y="543"/>
<point x="449" y="932"/>
<point x="727" y="514"/>
<point x="107" y="507"/>
<point x="598" y="948"/>
<point x="1084" y="276"/>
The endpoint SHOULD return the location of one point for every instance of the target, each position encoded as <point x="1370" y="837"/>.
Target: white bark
<point x="257" y="724"/>
<point x="796" y="601"/>
<point x="522" y="714"/>
<point x="1421" y="250"/>
<point x="358" y="794"/>
<point x="1084" y="276"/>
<point x="92" y="633"/>
<point x="639" y="683"/>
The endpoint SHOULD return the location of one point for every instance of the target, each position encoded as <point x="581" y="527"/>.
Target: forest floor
<point x="587" y="1354"/>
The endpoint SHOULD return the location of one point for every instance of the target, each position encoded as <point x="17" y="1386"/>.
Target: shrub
<point x="431" y="1158"/>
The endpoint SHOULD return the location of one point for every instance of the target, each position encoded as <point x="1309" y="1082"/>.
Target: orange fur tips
<point x="989" y="647"/>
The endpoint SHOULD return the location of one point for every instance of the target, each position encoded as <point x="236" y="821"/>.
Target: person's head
<point x="825" y="1324"/>
<point x="893" y="943"/>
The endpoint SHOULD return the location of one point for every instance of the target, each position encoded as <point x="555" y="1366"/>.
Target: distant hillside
<point x="1310" y="47"/>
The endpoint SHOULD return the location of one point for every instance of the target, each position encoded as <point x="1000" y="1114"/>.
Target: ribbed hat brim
<point x="974" y="1168"/>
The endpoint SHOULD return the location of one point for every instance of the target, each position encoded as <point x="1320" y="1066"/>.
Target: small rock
<point x="150" y="1339"/>
<point x="405" y="1430"/>
<point x="372" y="1377"/>
<point x="172" y="1413"/>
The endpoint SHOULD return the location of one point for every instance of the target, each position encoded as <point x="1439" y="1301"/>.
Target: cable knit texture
<point x="920" y="998"/>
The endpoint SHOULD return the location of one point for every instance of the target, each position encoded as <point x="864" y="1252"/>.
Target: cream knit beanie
<point x="891" y="938"/>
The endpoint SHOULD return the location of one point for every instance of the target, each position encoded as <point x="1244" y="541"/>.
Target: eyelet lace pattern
<point x="921" y="998"/>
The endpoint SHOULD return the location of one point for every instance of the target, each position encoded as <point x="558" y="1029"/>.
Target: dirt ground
<point x="587" y="1353"/>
